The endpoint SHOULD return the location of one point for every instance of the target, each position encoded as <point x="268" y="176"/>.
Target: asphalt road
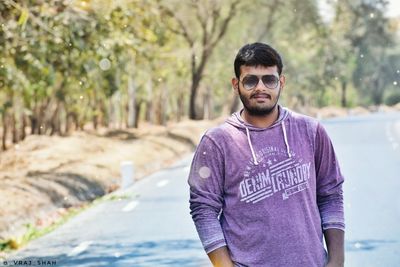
<point x="368" y="149"/>
<point x="150" y="224"/>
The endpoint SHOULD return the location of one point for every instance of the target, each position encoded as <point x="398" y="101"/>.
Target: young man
<point x="265" y="186"/>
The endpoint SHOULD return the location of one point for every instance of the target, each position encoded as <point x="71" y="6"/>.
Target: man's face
<point x="260" y="100"/>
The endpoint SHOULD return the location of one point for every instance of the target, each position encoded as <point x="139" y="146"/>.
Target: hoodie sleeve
<point x="329" y="182"/>
<point x="206" y="193"/>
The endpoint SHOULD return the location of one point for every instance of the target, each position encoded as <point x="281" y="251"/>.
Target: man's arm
<point x="330" y="198"/>
<point x="206" y="181"/>
<point x="334" y="239"/>
<point x="220" y="257"/>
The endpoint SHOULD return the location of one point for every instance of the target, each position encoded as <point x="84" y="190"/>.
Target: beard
<point x="258" y="111"/>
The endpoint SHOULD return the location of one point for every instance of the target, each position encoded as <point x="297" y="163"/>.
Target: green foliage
<point x="79" y="58"/>
<point x="392" y="98"/>
<point x="33" y="232"/>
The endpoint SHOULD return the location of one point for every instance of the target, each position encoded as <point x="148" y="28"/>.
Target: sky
<point x="393" y="9"/>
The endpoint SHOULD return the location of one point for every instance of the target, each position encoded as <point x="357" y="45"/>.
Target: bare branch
<point x="215" y="15"/>
<point x="271" y="17"/>
<point x="202" y="19"/>
<point x="183" y="30"/>
<point x="225" y="22"/>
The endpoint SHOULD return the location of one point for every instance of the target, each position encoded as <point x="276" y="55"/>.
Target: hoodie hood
<point x="237" y="121"/>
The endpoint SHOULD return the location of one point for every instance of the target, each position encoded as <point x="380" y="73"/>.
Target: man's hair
<point x="257" y="54"/>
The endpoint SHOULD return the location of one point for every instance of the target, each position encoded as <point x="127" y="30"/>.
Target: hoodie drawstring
<point x="251" y="147"/>
<point x="285" y="137"/>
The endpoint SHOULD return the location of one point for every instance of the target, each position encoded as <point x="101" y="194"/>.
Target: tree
<point x="372" y="39"/>
<point x="212" y="19"/>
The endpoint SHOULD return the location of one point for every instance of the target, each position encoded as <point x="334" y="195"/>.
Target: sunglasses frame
<point x="260" y="77"/>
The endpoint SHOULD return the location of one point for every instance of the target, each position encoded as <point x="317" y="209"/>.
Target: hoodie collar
<point x="237" y="121"/>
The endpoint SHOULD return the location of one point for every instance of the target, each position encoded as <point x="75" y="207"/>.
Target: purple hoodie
<point x="267" y="193"/>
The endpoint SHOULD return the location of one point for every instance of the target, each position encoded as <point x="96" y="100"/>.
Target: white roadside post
<point x="127" y="174"/>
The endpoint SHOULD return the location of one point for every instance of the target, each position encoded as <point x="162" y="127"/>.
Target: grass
<point x="33" y="232"/>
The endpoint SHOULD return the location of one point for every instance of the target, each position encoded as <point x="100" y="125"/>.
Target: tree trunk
<point x="59" y="121"/>
<point x="34" y="124"/>
<point x="193" y="95"/>
<point x="105" y="118"/>
<point x="42" y="117"/>
<point x="149" y="102"/>
<point x="110" y="122"/>
<point x="164" y="105"/>
<point x="76" y="120"/>
<point x="54" y="120"/>
<point x="377" y="94"/>
<point x="95" y="119"/>
<point x="14" y="128"/>
<point x="5" y="130"/>
<point x="344" y="97"/>
<point x="180" y="107"/>
<point x="207" y="104"/>
<point x="131" y="103"/>
<point x="137" y="114"/>
<point x="32" y="117"/>
<point x="213" y="28"/>
<point x="69" y="120"/>
<point x="23" y="126"/>
<point x="149" y="112"/>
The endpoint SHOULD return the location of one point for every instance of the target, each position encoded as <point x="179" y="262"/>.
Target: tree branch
<point x="271" y="16"/>
<point x="225" y="22"/>
<point x="183" y="31"/>
<point x="203" y="24"/>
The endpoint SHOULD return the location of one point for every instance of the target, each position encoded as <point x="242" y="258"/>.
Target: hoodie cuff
<point x="333" y="225"/>
<point x="214" y="245"/>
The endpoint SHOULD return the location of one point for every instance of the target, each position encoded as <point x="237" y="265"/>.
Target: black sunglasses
<point x="251" y="81"/>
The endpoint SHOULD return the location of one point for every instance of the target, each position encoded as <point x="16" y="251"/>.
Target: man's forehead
<point x="258" y="70"/>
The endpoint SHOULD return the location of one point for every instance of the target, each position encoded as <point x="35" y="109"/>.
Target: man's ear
<point x="235" y="85"/>
<point x="282" y="80"/>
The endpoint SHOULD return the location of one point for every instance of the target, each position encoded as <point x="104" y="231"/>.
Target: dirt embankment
<point x="45" y="175"/>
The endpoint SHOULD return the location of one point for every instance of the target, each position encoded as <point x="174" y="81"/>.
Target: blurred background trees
<point x="66" y="64"/>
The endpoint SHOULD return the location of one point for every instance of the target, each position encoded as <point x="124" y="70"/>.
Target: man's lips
<point x="261" y="96"/>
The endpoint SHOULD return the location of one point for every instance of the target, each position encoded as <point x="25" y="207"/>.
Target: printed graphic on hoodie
<point x="276" y="173"/>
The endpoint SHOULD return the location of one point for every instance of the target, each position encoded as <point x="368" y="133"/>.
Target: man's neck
<point x="261" y="121"/>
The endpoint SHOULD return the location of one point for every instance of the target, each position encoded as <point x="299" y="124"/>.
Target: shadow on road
<point x="183" y="253"/>
<point x="369" y="244"/>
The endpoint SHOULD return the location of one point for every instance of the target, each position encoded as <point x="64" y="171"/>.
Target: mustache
<point x="261" y="95"/>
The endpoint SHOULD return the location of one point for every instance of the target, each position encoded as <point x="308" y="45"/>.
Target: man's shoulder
<point x="219" y="131"/>
<point x="300" y="118"/>
<point x="215" y="136"/>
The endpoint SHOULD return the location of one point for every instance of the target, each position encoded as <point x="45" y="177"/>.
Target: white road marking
<point x="162" y="183"/>
<point x="389" y="135"/>
<point x="130" y="206"/>
<point x="79" y="249"/>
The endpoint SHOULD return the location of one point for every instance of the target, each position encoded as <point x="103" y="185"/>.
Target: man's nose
<point x="260" y="85"/>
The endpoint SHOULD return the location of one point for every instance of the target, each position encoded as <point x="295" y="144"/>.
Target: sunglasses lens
<point x="270" y="81"/>
<point x="249" y="82"/>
